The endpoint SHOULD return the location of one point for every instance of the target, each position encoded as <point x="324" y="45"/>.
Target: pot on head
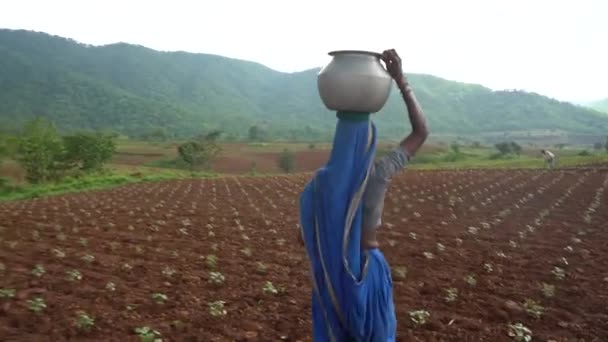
<point x="354" y="81"/>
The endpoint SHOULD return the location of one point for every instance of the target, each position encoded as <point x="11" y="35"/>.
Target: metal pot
<point x="354" y="81"/>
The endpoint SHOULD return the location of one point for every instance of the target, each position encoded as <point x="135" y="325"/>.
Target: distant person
<point x="549" y="159"/>
<point x="340" y="211"/>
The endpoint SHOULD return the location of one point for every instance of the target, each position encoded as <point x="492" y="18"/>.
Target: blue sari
<point x="352" y="288"/>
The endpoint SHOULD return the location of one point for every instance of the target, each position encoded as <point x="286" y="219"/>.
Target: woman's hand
<point x="393" y="65"/>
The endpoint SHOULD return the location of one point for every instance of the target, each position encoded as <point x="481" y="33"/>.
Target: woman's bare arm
<point x="420" y="132"/>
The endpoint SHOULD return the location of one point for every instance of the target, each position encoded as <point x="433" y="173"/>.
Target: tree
<point x="212" y="136"/>
<point x="515" y="148"/>
<point x="584" y="153"/>
<point x="606" y="145"/>
<point x="191" y="153"/>
<point x="598" y="146"/>
<point x="254" y="133"/>
<point x="40" y="151"/>
<point x="503" y="148"/>
<point x="287" y="161"/>
<point x="455" y="148"/>
<point x="88" y="151"/>
<point x="8" y="145"/>
<point x="202" y="152"/>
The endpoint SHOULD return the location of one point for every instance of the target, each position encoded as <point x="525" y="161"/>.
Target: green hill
<point x="132" y="89"/>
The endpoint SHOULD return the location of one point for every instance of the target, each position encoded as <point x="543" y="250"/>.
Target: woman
<point x="340" y="210"/>
<point x="549" y="158"/>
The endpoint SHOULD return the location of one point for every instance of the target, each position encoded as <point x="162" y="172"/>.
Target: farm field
<point x="476" y="249"/>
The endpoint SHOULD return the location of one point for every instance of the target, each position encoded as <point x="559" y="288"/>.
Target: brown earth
<point x="508" y="229"/>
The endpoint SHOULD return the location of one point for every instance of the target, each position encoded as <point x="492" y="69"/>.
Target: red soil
<point x="175" y="224"/>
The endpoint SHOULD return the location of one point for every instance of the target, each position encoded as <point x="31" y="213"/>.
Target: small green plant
<point x="559" y="273"/>
<point x="261" y="268"/>
<point x="211" y="261"/>
<point x="471" y="279"/>
<point x="88" y="258"/>
<point x="428" y="255"/>
<point x="520" y="333"/>
<point x="533" y="308"/>
<point x="168" y="272"/>
<point x="147" y="334"/>
<point x="58" y="253"/>
<point x="74" y="275"/>
<point x="110" y="286"/>
<point x="269" y="288"/>
<point x="61" y="236"/>
<point x="216" y="309"/>
<point x="84" y="322"/>
<point x="419" y="317"/>
<point x="451" y="294"/>
<point x="38" y="271"/>
<point x="216" y="278"/>
<point x="400" y="272"/>
<point x="36" y="304"/>
<point x="501" y="254"/>
<point x="548" y="290"/>
<point x="159" y="298"/>
<point x="7" y="293"/>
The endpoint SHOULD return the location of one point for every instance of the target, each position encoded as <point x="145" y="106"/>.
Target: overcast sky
<point x="557" y="48"/>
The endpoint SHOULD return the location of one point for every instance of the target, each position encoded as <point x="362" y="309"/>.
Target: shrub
<point x="287" y="161"/>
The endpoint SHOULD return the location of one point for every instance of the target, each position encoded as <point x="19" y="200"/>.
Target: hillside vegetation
<point x="138" y="91"/>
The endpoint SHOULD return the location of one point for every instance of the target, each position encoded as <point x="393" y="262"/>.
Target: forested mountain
<point x="132" y="90"/>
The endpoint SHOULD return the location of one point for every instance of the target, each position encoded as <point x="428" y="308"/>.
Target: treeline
<point x="252" y="133"/>
<point x="45" y="155"/>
